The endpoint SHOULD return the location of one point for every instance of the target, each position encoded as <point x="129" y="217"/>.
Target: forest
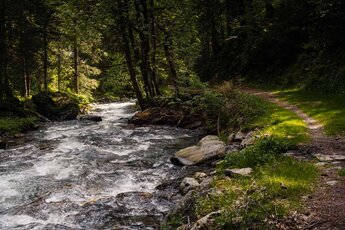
<point x="139" y="48"/>
<point x="264" y="78"/>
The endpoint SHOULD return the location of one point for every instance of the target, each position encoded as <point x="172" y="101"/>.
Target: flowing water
<point x="87" y="175"/>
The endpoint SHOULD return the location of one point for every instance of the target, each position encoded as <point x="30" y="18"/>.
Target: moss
<point x="16" y="124"/>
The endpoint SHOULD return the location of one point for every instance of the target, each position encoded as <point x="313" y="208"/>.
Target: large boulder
<point x="208" y="148"/>
<point x="56" y="106"/>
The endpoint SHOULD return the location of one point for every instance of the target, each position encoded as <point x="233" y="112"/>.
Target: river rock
<point x="188" y="184"/>
<point x="89" y="118"/>
<point x="248" y="140"/>
<point x="239" y="136"/>
<point x="199" y="176"/>
<point x="184" y="206"/>
<point x="238" y="172"/>
<point x="210" y="147"/>
<point x="230" y="138"/>
<point x="19" y="135"/>
<point x="322" y="157"/>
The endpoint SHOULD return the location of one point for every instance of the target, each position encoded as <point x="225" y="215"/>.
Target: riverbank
<point x="258" y="186"/>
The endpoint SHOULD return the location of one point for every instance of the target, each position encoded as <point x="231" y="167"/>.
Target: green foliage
<point x="16" y="124"/>
<point x="341" y="172"/>
<point x="264" y="151"/>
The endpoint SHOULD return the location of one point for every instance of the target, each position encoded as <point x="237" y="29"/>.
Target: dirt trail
<point x="325" y="209"/>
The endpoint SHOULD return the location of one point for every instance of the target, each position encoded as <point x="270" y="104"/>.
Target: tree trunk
<point x="5" y="91"/>
<point x="142" y="16"/>
<point x="171" y="63"/>
<point x="154" y="48"/>
<point x="59" y="70"/>
<point x="25" y="92"/>
<point x="75" y="58"/>
<point x="125" y="29"/>
<point x="45" y="58"/>
<point x="2" y="47"/>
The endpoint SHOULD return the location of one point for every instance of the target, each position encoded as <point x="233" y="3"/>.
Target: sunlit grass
<point x="329" y="110"/>
<point x="278" y="181"/>
<point x="274" y="190"/>
<point x="279" y="122"/>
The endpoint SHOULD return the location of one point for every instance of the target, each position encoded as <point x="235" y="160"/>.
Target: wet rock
<point x="184" y="206"/>
<point x="89" y="118"/>
<point x="238" y="172"/>
<point x="207" y="222"/>
<point x="210" y="147"/>
<point x="157" y="116"/>
<point x="188" y="184"/>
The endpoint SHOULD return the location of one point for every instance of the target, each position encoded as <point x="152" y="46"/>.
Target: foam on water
<point x="83" y="163"/>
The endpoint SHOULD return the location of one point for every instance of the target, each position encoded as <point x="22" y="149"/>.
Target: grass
<point x="278" y="182"/>
<point x="279" y="122"/>
<point x="341" y="172"/>
<point x="15" y="124"/>
<point x="273" y="191"/>
<point x="329" y="110"/>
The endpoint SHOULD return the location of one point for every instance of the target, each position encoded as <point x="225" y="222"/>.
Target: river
<point x="87" y="175"/>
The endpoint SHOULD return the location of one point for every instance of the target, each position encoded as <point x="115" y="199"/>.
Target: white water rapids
<point x="87" y="175"/>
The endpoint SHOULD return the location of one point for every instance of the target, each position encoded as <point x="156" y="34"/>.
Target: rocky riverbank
<point x="206" y="155"/>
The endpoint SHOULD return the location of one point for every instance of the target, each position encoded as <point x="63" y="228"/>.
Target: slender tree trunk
<point x="2" y="47"/>
<point x="25" y="92"/>
<point x="5" y="91"/>
<point x="126" y="36"/>
<point x="59" y="70"/>
<point x="171" y="63"/>
<point x="45" y="58"/>
<point x="75" y="58"/>
<point x="154" y="48"/>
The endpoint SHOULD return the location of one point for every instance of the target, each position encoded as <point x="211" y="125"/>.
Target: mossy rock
<point x="56" y="106"/>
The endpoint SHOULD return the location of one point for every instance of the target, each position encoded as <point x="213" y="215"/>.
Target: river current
<point x="87" y="175"/>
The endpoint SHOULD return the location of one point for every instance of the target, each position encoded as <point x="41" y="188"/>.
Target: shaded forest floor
<point x="325" y="209"/>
